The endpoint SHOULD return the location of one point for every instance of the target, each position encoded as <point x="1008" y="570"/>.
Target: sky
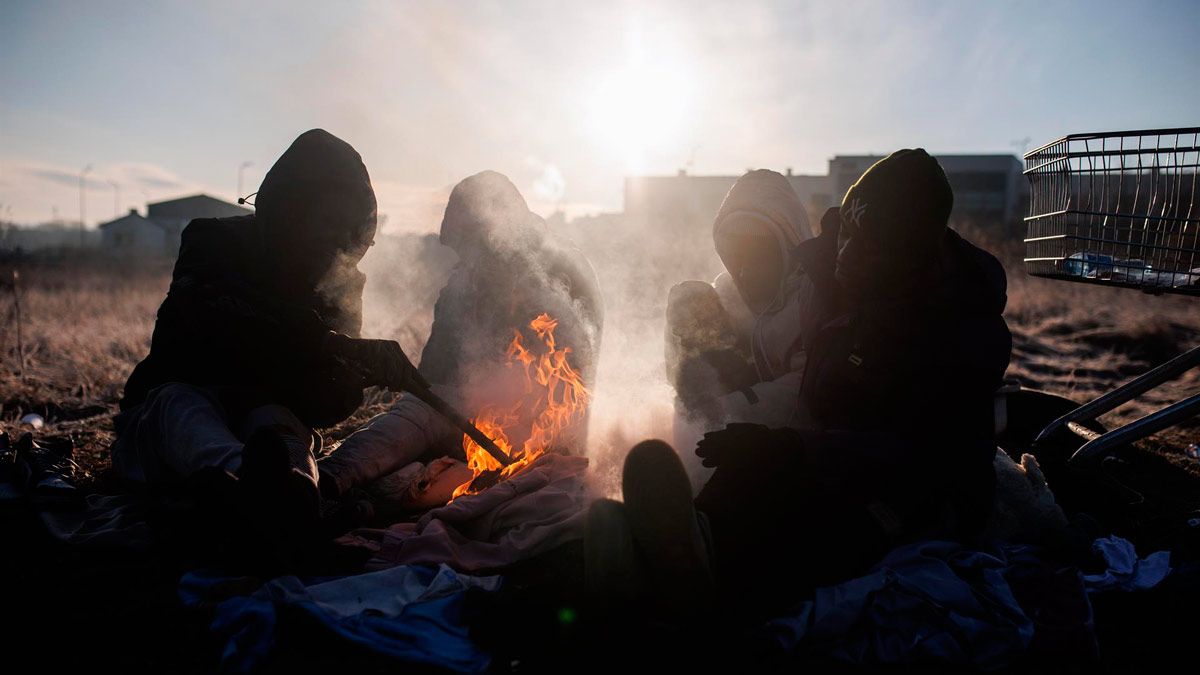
<point x="169" y="98"/>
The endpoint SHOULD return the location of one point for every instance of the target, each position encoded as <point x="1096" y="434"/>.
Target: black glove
<point x="379" y="362"/>
<point x="742" y="445"/>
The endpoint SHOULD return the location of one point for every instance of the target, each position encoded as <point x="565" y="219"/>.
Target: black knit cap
<point x="903" y="201"/>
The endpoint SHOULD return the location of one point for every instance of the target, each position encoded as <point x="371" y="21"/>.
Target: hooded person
<point x="762" y="300"/>
<point x="510" y="271"/>
<point x="905" y="345"/>
<point x="256" y="344"/>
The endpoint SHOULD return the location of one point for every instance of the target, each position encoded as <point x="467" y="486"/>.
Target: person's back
<point x="510" y="271"/>
<point x="225" y="323"/>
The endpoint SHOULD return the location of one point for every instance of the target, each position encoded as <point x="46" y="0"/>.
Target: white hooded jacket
<point x="765" y="201"/>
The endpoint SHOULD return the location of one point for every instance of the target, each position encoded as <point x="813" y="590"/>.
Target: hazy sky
<point x="165" y="98"/>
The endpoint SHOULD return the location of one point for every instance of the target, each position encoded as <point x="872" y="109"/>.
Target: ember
<point x="554" y="399"/>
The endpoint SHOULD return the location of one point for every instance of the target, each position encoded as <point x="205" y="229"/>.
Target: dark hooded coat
<point x="520" y="271"/>
<point x="234" y="317"/>
<point x="903" y="396"/>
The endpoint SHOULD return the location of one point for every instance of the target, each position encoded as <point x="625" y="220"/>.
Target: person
<point x="256" y="346"/>
<point x="734" y="349"/>
<point x="510" y="270"/>
<point x="905" y="350"/>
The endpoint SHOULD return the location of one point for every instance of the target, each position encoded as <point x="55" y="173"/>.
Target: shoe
<point x="46" y="474"/>
<point x="667" y="529"/>
<point x="614" y="574"/>
<point x="282" y="503"/>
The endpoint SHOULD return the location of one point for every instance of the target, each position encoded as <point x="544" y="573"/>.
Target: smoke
<point x="531" y="265"/>
<point x="405" y="273"/>
<point x="636" y="264"/>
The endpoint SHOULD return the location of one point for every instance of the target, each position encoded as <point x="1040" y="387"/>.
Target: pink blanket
<point x="540" y="508"/>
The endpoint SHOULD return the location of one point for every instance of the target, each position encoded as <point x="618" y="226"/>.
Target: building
<point x="988" y="189"/>
<point x="157" y="233"/>
<point x="683" y="202"/>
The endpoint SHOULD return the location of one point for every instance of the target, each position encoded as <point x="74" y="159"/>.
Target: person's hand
<point x="380" y="362"/>
<point x="749" y="445"/>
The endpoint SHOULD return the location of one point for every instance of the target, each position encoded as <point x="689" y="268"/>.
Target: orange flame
<point x="555" y="398"/>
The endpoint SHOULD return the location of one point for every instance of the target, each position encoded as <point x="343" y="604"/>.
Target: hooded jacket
<point x="922" y="369"/>
<point x="233" y="317"/>
<point x="765" y="201"/>
<point x="931" y="361"/>
<point x="511" y="269"/>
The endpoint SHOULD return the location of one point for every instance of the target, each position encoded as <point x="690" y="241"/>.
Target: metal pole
<point x="116" y="198"/>
<point x="241" y="167"/>
<point x="1127" y="392"/>
<point x="16" y="279"/>
<point x="83" y="202"/>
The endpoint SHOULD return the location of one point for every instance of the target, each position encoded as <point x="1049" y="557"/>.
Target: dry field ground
<point x="85" y="324"/>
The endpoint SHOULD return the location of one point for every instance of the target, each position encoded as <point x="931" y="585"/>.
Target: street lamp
<point x="116" y="198"/>
<point x="241" y="167"/>
<point x="83" y="202"/>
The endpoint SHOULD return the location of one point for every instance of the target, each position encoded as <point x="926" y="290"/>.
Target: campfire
<point x="554" y="399"/>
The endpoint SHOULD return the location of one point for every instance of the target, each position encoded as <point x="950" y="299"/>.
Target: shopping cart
<point x="1118" y="209"/>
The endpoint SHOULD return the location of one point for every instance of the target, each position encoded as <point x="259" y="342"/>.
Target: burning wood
<point x="554" y="399"/>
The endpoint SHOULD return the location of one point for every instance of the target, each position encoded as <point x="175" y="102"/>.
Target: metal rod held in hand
<point x="457" y="419"/>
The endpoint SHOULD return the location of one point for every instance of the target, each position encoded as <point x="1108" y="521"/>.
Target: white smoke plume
<point x="636" y="263"/>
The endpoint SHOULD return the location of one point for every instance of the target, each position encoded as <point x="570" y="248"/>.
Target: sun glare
<point x="641" y="110"/>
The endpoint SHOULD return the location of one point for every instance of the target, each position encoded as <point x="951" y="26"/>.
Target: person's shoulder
<point x="213" y="242"/>
<point x="227" y="230"/>
<point x="976" y="257"/>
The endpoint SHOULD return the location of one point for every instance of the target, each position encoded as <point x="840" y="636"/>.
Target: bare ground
<point x="84" y="326"/>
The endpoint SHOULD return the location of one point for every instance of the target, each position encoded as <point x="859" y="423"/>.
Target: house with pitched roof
<point x="156" y="234"/>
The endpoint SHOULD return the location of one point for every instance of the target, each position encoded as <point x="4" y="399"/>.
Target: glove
<point x="751" y="446"/>
<point x="380" y="363"/>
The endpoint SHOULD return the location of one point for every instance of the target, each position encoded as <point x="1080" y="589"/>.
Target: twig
<point x="17" y="310"/>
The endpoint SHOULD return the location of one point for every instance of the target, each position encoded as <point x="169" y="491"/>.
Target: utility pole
<point x="83" y="202"/>
<point x="116" y="198"/>
<point x="241" y="167"/>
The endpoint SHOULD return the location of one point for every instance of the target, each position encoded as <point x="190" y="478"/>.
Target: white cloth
<point x="389" y="441"/>
<point x="1126" y="572"/>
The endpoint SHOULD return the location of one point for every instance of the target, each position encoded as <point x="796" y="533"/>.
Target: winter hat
<point x="903" y="202"/>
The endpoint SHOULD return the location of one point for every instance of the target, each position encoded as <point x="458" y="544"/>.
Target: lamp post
<point x="116" y="198"/>
<point x="241" y="167"/>
<point x="83" y="202"/>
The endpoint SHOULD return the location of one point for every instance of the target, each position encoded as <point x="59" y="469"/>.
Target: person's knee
<point x="277" y="418"/>
<point x="172" y="393"/>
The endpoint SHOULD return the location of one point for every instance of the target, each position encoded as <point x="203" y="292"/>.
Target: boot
<point x="668" y="531"/>
<point x="614" y="573"/>
<point x="46" y="474"/>
<point x="281" y="502"/>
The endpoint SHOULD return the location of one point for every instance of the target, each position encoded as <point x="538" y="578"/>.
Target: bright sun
<point x="641" y="110"/>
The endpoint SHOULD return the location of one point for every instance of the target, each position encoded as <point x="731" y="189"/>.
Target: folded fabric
<point x="410" y="613"/>
<point x="536" y="510"/>
<point x="105" y="521"/>
<point x="1125" y="571"/>
<point x="929" y="601"/>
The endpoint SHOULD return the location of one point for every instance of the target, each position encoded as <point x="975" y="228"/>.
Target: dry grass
<point x="86" y="324"/>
